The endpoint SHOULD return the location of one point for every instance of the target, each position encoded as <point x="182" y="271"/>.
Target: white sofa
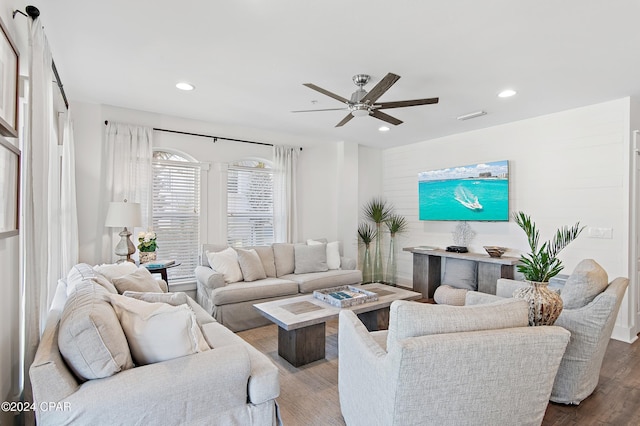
<point x="448" y="365"/>
<point x="230" y="384"/>
<point x="231" y="304"/>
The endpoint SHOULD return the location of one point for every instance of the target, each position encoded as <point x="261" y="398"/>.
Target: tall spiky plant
<point x="396" y="224"/>
<point x="542" y="264"/>
<point x="377" y="211"/>
<point x="366" y="234"/>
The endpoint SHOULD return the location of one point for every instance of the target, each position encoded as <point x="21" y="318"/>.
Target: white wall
<point x="564" y="167"/>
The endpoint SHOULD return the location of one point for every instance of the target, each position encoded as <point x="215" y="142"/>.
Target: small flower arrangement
<point x="147" y="241"/>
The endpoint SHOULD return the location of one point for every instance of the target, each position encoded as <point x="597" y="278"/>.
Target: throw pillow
<point x="587" y="281"/>
<point x="158" y="332"/>
<point x="333" y="253"/>
<point x="115" y="270"/>
<point x="251" y="265"/>
<point x="310" y="258"/>
<point x="461" y="273"/>
<point x="284" y="258"/>
<point x="267" y="259"/>
<point x="173" y="299"/>
<point x="140" y="280"/>
<point x="90" y="338"/>
<point x="226" y="263"/>
<point x="83" y="271"/>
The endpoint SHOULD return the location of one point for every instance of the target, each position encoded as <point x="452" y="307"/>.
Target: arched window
<point x="250" y="203"/>
<point x="176" y="212"/>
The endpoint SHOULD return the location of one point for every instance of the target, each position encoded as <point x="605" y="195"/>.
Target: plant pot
<point x="147" y="256"/>
<point x="367" y="267"/>
<point x="545" y="305"/>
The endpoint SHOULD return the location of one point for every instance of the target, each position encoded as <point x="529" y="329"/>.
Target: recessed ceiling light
<point x="507" y="93"/>
<point x="185" y="86"/>
<point x="383" y="129"/>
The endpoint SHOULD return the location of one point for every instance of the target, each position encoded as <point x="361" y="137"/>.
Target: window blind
<point x="249" y="206"/>
<point x="176" y="215"/>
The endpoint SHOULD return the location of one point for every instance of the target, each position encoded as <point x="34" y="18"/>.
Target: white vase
<point x="545" y="305"/>
<point x="147" y="256"/>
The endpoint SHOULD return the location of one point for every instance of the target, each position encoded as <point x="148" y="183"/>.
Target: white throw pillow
<point x="115" y="270"/>
<point x="158" y="332"/>
<point x="226" y="262"/>
<point x="333" y="253"/>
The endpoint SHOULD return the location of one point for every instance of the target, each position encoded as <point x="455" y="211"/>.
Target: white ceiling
<point x="249" y="58"/>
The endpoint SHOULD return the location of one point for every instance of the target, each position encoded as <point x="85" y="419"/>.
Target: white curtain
<point x="285" y="217"/>
<point x="127" y="155"/>
<point x="68" y="208"/>
<point x="41" y="202"/>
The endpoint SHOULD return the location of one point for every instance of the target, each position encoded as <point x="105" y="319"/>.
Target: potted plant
<point x="366" y="234"/>
<point x="540" y="265"/>
<point x="377" y="211"/>
<point x="147" y="246"/>
<point x="396" y="224"/>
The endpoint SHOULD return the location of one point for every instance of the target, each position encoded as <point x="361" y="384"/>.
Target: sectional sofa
<point x="268" y="273"/>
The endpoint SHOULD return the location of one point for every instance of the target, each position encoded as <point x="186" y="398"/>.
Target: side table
<point x="161" y="269"/>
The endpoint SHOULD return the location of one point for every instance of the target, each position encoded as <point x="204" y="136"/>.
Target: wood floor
<point x="309" y="394"/>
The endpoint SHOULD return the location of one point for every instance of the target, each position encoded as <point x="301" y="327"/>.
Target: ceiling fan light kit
<point x="472" y="115"/>
<point x="363" y="103"/>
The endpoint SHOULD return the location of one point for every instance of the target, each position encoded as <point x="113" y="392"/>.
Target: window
<point x="176" y="212"/>
<point x="249" y="204"/>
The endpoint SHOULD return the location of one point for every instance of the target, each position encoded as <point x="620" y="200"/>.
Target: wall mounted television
<point x="478" y="192"/>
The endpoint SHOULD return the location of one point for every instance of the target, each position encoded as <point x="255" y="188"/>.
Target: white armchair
<point x="448" y="365"/>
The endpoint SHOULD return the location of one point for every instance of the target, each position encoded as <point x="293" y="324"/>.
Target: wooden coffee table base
<point x="302" y="345"/>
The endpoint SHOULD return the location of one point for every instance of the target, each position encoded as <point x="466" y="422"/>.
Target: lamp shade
<point x="123" y="214"/>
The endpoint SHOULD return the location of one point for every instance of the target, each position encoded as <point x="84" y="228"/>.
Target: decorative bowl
<point x="495" y="251"/>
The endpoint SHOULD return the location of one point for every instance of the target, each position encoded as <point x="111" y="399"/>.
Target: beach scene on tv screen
<point x="474" y="192"/>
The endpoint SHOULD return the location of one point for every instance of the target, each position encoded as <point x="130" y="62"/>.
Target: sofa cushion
<point x="90" y="337"/>
<point x="83" y="271"/>
<point x="115" y="270"/>
<point x="310" y="258"/>
<point x="333" y="253"/>
<point x="283" y="256"/>
<point x="158" y="331"/>
<point x="256" y="290"/>
<point x="250" y="265"/>
<point x="267" y="259"/>
<point x="461" y="273"/>
<point x="226" y="262"/>
<point x="587" y="281"/>
<point x="140" y="280"/>
<point x="174" y="299"/>
<point x="412" y="319"/>
<point x="307" y="283"/>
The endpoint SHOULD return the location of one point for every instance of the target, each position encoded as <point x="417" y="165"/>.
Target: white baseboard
<point x="624" y="334"/>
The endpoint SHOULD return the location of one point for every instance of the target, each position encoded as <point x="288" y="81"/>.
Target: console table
<point x="427" y="269"/>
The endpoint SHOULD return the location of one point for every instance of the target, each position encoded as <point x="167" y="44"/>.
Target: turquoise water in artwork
<point x="485" y="199"/>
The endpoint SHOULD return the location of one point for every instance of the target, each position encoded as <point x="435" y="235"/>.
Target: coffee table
<point x="302" y="320"/>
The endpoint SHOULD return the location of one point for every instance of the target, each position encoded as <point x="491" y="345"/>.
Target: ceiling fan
<point x="363" y="103"/>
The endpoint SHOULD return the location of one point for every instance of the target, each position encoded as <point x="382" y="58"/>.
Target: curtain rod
<point x="215" y="138"/>
<point x="33" y="13"/>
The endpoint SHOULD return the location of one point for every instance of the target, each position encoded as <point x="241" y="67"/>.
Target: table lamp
<point x="123" y="214"/>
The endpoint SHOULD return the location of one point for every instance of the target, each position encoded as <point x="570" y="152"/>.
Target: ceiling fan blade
<point x="326" y="92"/>
<point x="379" y="89"/>
<point x="327" y="109"/>
<point x="345" y="120"/>
<point x="402" y="104"/>
<point x="385" y="117"/>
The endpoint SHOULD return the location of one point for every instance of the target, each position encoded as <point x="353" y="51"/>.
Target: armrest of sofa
<point x="168" y="392"/>
<point x="505" y="287"/>
<point x="208" y="277"/>
<point x="348" y="263"/>
<point x="479" y="298"/>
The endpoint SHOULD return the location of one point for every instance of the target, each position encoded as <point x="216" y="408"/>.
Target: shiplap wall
<point x="564" y="167"/>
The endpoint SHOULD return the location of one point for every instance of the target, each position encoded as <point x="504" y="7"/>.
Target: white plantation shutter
<point x="249" y="204"/>
<point x="176" y="213"/>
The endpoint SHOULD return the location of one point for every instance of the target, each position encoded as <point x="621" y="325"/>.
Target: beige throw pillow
<point x="140" y="280"/>
<point x="158" y="332"/>
<point x="587" y="281"/>
<point x="251" y="265"/>
<point x="310" y="258"/>
<point x="115" y="270"/>
<point x="226" y="263"/>
<point x="333" y="252"/>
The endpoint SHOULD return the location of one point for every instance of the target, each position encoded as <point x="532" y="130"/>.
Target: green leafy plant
<point x="542" y="263"/>
<point x="366" y="233"/>
<point x="147" y="241"/>
<point x="396" y="224"/>
<point x="377" y="211"/>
